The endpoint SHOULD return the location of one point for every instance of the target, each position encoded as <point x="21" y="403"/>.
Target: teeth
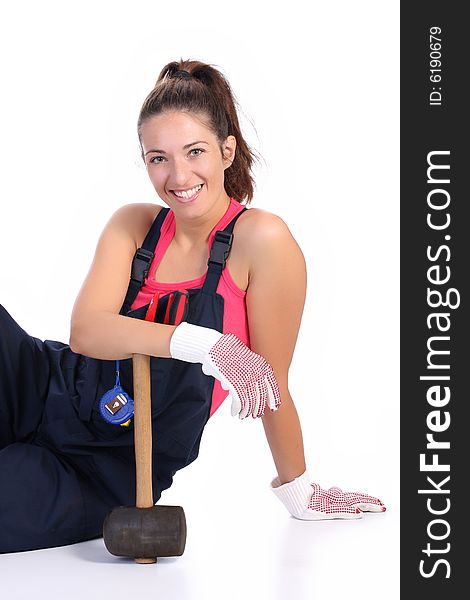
<point x="188" y="193"/>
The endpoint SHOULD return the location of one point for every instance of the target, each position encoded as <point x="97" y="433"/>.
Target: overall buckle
<point x="220" y="248"/>
<point x="141" y="264"/>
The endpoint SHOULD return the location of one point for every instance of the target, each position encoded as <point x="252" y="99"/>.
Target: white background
<point x="318" y="85"/>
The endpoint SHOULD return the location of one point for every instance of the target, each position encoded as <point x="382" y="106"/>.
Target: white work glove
<point x="309" y="502"/>
<point x="247" y="377"/>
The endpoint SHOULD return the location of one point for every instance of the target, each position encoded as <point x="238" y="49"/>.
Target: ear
<point x="228" y="150"/>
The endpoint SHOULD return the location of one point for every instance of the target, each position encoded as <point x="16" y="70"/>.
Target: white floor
<point x="241" y="541"/>
<point x="269" y="556"/>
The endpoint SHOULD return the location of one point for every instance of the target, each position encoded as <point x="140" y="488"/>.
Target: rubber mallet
<point x="145" y="531"/>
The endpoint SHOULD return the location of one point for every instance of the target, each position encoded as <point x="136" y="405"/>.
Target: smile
<point x="188" y="195"/>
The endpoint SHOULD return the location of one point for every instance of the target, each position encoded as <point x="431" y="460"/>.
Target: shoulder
<point x="261" y="222"/>
<point x="136" y="218"/>
<point x="257" y="229"/>
<point x="267" y="246"/>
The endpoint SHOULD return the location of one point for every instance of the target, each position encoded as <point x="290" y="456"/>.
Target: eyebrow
<point x="184" y="147"/>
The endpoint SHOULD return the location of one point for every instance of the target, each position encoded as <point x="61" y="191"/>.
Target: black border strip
<point x="435" y="258"/>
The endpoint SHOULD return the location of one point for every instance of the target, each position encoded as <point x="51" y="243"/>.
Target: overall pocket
<point x="170" y="308"/>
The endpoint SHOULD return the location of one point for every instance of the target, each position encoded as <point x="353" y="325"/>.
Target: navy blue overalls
<point x="62" y="467"/>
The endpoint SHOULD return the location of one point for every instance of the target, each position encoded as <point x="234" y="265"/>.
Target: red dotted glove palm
<point x="247" y="376"/>
<point x="309" y="502"/>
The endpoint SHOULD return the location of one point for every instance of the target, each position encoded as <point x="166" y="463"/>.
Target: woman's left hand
<point x="309" y="502"/>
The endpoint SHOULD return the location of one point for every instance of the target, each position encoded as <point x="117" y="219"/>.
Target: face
<point x="185" y="163"/>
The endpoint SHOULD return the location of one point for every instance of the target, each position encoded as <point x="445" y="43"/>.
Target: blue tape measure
<point x="116" y="406"/>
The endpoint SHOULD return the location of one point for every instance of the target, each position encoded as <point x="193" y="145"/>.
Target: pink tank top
<point x="235" y="317"/>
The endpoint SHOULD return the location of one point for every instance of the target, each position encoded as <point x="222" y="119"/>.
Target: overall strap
<point x="220" y="250"/>
<point x="142" y="261"/>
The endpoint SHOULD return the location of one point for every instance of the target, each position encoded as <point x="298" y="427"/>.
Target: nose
<point x="180" y="173"/>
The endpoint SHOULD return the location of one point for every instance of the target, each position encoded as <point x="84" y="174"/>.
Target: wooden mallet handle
<point x="143" y="436"/>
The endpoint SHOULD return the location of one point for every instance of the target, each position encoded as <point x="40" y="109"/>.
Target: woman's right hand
<point x="248" y="378"/>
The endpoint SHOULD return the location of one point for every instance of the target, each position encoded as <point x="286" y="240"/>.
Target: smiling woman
<point x="211" y="290"/>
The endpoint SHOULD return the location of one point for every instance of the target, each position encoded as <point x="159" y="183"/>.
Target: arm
<point x="97" y="329"/>
<point x="275" y="301"/>
<point x="276" y="292"/>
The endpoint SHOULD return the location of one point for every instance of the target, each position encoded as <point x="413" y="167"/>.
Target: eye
<point x="152" y="160"/>
<point x="197" y="150"/>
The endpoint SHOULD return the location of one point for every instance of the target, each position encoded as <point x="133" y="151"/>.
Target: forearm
<point x="110" y="336"/>
<point x="284" y="435"/>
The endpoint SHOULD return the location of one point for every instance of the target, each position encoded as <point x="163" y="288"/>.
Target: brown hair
<point x="206" y="92"/>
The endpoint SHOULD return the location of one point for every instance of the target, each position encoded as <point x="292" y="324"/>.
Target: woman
<point x="208" y="284"/>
